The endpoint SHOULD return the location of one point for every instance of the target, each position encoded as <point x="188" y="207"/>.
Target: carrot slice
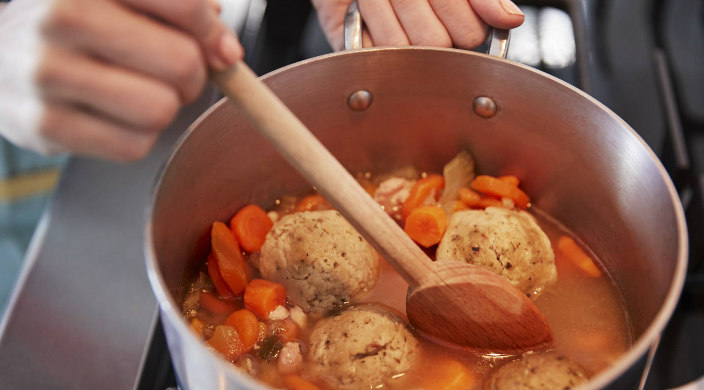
<point x="262" y="296"/>
<point x="247" y="327"/>
<point x="448" y="374"/>
<point x="296" y="382"/>
<point x="232" y="264"/>
<point x="214" y="305"/>
<point x="458" y="205"/>
<point x="250" y="225"/>
<point x="313" y="203"/>
<point x="510" y="179"/>
<point x="577" y="256"/>
<point x="226" y="341"/>
<point x="490" y="185"/>
<point x="214" y="272"/>
<point x="426" y="225"/>
<point x="476" y="200"/>
<point x="469" y="197"/>
<point x="489" y="201"/>
<point x="421" y="190"/>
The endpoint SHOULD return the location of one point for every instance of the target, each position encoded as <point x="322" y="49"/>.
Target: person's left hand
<point x="104" y="78"/>
<point x="444" y="23"/>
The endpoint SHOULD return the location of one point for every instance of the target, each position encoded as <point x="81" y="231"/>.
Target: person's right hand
<point x="104" y="77"/>
<point x="444" y="23"/>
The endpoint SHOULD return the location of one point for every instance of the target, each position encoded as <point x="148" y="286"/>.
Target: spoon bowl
<point x="473" y="308"/>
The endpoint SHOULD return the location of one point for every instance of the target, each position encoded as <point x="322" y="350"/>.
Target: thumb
<point x="498" y="13"/>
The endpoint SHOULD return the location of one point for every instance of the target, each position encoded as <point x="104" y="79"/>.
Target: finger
<point x="123" y="37"/>
<point x="367" y="40"/>
<point x="421" y="24"/>
<point x="384" y="27"/>
<point x="466" y="29"/>
<point x="498" y="13"/>
<point x="331" y="14"/>
<point x="220" y="46"/>
<point x="80" y="131"/>
<point x="129" y="98"/>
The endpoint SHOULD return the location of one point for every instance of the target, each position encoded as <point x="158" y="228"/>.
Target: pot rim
<point x="648" y="338"/>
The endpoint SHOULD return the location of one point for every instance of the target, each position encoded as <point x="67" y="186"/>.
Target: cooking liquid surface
<point x="586" y="314"/>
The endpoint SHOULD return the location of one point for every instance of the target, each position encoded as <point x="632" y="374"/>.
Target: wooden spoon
<point x="454" y="301"/>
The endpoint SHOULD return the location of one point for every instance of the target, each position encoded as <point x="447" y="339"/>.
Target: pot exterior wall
<point x="579" y="162"/>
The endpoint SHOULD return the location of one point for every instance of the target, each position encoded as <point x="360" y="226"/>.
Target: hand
<point x="104" y="77"/>
<point x="444" y="23"/>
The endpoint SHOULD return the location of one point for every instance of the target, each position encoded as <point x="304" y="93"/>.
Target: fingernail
<point x="511" y="8"/>
<point x="229" y="49"/>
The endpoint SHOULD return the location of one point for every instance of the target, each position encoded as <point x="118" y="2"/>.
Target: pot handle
<point x="498" y="40"/>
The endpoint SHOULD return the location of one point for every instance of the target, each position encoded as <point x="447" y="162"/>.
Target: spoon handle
<point x="302" y="150"/>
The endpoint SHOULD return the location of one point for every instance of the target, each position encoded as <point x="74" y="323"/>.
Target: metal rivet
<point x="360" y="100"/>
<point x="484" y="107"/>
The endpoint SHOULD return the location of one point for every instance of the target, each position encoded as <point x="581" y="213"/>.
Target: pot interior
<point x="579" y="163"/>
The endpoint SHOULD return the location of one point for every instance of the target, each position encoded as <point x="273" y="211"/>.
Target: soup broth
<point x="586" y="314"/>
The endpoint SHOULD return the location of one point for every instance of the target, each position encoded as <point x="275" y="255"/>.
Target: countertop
<point x="82" y="312"/>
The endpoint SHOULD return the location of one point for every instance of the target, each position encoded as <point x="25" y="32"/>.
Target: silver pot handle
<point x="498" y="41"/>
<point x="353" y="27"/>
